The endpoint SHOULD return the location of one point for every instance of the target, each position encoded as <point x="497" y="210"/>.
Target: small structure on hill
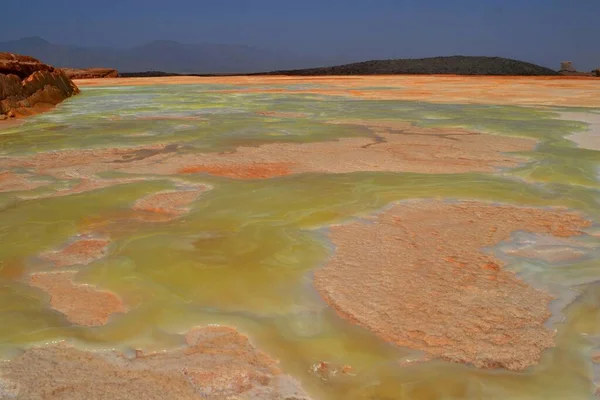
<point x="567" y="66"/>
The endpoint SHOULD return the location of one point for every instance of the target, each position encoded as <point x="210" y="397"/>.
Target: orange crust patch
<point x="241" y="171"/>
<point x="81" y="304"/>
<point x="416" y="277"/>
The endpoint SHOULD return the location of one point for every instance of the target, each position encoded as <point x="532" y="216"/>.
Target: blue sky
<point x="540" y="31"/>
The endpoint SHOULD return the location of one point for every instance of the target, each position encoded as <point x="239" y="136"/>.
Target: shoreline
<point x="562" y="91"/>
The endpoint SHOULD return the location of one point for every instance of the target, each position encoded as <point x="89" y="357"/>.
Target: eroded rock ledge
<point x="91" y="73"/>
<point x="28" y="86"/>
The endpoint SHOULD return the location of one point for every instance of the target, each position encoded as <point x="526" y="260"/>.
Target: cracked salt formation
<point x="416" y="277"/>
<point x="172" y="203"/>
<point x="81" y="304"/>
<point x="10" y="182"/>
<point x="84" y="163"/>
<point x="245" y="171"/>
<point x="83" y="186"/>
<point x="395" y="147"/>
<point x="279" y="114"/>
<point x="157" y="207"/>
<point x="412" y="149"/>
<point x="106" y="224"/>
<point x="217" y="363"/>
<point x="80" y="252"/>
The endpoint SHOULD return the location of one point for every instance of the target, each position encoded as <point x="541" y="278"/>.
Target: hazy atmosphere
<point x="539" y="31"/>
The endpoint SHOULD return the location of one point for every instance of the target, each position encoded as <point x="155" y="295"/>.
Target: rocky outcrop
<point x="28" y="85"/>
<point x="91" y="73"/>
<point x="596" y="72"/>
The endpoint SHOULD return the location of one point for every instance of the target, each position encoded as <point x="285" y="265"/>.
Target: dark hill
<point x="458" y="65"/>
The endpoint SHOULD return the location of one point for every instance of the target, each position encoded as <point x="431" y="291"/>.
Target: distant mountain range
<point x="160" y="55"/>
<point x="178" y="58"/>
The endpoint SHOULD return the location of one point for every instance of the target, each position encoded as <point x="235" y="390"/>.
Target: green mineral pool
<point x="245" y="252"/>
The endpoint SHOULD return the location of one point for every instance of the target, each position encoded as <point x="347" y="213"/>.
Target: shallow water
<point x="244" y="254"/>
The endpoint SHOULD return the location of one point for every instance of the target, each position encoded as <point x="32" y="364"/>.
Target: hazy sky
<point x="540" y="31"/>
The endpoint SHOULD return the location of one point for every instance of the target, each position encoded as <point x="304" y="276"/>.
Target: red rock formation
<point x="22" y="66"/>
<point x="27" y="85"/>
<point x="91" y="73"/>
